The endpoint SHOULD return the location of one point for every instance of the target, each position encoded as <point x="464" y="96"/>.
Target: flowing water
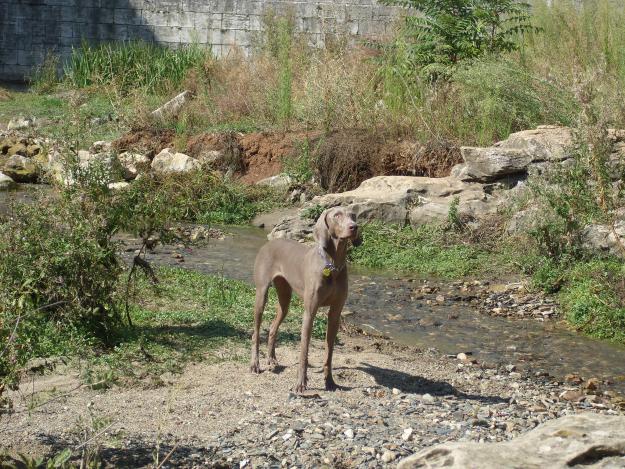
<point x="383" y="302"/>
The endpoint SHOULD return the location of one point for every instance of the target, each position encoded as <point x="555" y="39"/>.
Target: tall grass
<point x="581" y="49"/>
<point x="133" y="65"/>
<point x="577" y="56"/>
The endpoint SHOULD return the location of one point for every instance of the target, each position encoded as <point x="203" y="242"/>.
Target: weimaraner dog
<point x="317" y="274"/>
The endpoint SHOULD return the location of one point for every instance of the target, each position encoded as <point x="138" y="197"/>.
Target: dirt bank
<point x="341" y="159"/>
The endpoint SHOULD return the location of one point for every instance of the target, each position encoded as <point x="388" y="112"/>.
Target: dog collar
<point x="329" y="266"/>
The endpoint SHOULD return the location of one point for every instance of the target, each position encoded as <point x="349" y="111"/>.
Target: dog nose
<point x="353" y="226"/>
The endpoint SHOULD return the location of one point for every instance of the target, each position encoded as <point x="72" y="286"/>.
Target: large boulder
<point x="6" y="182"/>
<point x="21" y="169"/>
<point x="516" y="154"/>
<point x="584" y="440"/>
<point x="168" y="161"/>
<point x="398" y="199"/>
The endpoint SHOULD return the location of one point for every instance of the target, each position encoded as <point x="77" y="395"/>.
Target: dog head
<point x="337" y="223"/>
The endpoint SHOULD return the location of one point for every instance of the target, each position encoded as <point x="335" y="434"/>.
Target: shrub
<point x="203" y="197"/>
<point x="443" y="33"/>
<point x="58" y="276"/>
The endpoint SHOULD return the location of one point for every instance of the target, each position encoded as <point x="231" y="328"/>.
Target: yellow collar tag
<point x="326" y="272"/>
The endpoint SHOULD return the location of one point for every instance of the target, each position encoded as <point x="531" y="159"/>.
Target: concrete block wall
<point x="29" y="29"/>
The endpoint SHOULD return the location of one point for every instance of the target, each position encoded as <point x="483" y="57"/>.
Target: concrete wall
<point x="31" y="28"/>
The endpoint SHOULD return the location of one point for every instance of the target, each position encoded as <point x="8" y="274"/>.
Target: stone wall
<point x="29" y="29"/>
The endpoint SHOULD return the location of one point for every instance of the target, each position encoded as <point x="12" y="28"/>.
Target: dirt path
<point x="399" y="400"/>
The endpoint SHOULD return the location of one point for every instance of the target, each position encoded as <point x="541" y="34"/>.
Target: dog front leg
<point x="310" y="306"/>
<point x="334" y="318"/>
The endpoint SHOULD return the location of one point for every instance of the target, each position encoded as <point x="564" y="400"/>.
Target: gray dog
<point x="317" y="274"/>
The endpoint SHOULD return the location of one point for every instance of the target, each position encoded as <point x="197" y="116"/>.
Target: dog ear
<point x="321" y="232"/>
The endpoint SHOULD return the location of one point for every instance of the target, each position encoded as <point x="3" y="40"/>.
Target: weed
<point x="300" y="167"/>
<point x="313" y="212"/>
<point x="45" y="77"/>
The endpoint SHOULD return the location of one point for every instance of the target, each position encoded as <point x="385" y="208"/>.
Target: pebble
<point x="388" y="456"/>
<point x="406" y="434"/>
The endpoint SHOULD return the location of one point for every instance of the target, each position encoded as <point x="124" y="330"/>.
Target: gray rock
<point x="21" y="169"/>
<point x="490" y="164"/>
<point x="583" y="440"/>
<point x="20" y="123"/>
<point x="293" y="227"/>
<point x="280" y="181"/>
<point x="173" y="106"/>
<point x="607" y="239"/>
<point x="6" y="183"/>
<point x="168" y="161"/>
<point x="133" y="164"/>
<point x="515" y="155"/>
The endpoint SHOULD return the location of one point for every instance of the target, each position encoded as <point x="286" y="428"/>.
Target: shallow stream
<point x="383" y="301"/>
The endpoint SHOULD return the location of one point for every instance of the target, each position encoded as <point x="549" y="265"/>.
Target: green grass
<point x="80" y="117"/>
<point x="188" y="317"/>
<point x="427" y="250"/>
<point x="132" y="65"/>
<point x="593" y="298"/>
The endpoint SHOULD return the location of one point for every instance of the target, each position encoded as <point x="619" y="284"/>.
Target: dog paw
<point x="300" y="388"/>
<point x="272" y="361"/>
<point x="255" y="368"/>
<point x="331" y="385"/>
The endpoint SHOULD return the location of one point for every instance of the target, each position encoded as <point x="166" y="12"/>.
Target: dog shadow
<point x="414" y="384"/>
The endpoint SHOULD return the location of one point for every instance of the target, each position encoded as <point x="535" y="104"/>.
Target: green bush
<point x="58" y="277"/>
<point x="204" y="197"/>
<point x="443" y="33"/>
<point x="594" y="301"/>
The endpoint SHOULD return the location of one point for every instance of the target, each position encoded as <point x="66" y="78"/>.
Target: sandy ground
<point x="396" y="401"/>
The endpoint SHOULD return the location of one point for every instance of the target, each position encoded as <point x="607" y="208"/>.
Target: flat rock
<point x="583" y="440"/>
<point x="515" y="155"/>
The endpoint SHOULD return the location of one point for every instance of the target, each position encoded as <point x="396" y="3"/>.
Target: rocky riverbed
<point x="396" y="401"/>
